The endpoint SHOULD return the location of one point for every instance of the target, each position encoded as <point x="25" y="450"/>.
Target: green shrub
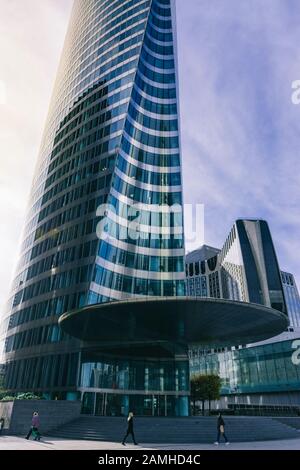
<point x="20" y="396"/>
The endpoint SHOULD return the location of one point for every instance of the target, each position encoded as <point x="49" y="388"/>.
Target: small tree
<point x="205" y="388"/>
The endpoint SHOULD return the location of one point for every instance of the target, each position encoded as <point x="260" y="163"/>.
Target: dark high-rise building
<point x="105" y="225"/>
<point x="246" y="269"/>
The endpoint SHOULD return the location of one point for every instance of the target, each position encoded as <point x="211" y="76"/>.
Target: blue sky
<point x="240" y="130"/>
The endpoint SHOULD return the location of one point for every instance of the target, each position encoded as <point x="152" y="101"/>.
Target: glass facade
<point x="267" y="368"/>
<point x="109" y="158"/>
<point x="113" y="387"/>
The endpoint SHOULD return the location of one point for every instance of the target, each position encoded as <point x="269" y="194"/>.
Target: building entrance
<point x="117" y="404"/>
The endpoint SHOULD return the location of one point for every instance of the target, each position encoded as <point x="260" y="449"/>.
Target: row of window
<point x="93" y="100"/>
<point x="86" y="44"/>
<point x="42" y="372"/>
<point x="58" y="281"/>
<point x="88" y="24"/>
<point x="160" y="10"/>
<point x="138" y="261"/>
<point x="113" y="46"/>
<point x="152" y="106"/>
<point x="166" y="65"/>
<point x="123" y="70"/>
<point x="146" y="239"/>
<point x="98" y="69"/>
<point x="147" y="217"/>
<point x="26" y="339"/>
<point x="157" y="142"/>
<point x="57" y="237"/>
<point x="162" y="125"/>
<point x="130" y="285"/>
<point x="76" y="193"/>
<point x="165" y="23"/>
<point x="75" y="90"/>
<point x="158" y="48"/>
<point x="51" y="307"/>
<point x="82" y="168"/>
<point x="72" y="213"/>
<point x="148" y="177"/>
<point x="95" y="116"/>
<point x="144" y="195"/>
<point x="153" y="75"/>
<point x="90" y="138"/>
<point x="155" y="159"/>
<point x="159" y="36"/>
<point x="58" y="259"/>
<point x="128" y="18"/>
<point x="106" y="147"/>
<point x="155" y="92"/>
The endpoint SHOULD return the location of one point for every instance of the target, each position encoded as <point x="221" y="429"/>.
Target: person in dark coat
<point x="35" y="424"/>
<point x="2" y="423"/>
<point x="130" y="430"/>
<point x="221" y="430"/>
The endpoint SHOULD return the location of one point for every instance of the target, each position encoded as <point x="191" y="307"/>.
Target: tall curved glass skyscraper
<point x="105" y="219"/>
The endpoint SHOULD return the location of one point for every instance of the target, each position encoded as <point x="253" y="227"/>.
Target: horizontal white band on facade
<point x="60" y="115"/>
<point x="141" y="250"/>
<point x="146" y="229"/>
<point x="159" y="43"/>
<point x="78" y="58"/>
<point x="160" y="117"/>
<point x="155" y="99"/>
<point x="115" y="105"/>
<point x="160" y="30"/>
<point x="110" y="69"/>
<point x="105" y="52"/>
<point x="45" y="149"/>
<point x="147" y="148"/>
<point x="111" y="293"/>
<point x="60" y="93"/>
<point x="158" y="56"/>
<point x="147" y="167"/>
<point x="104" y="25"/>
<point x="161" y="209"/>
<point x="147" y="186"/>
<point x="156" y="69"/>
<point x="162" y="5"/>
<point x="159" y="85"/>
<point x="149" y="131"/>
<point x="138" y="273"/>
<point x="161" y="17"/>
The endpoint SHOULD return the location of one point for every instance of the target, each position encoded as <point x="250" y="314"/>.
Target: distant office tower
<point x="112" y="136"/>
<point x="292" y="298"/>
<point x="246" y="269"/>
<point x="259" y="376"/>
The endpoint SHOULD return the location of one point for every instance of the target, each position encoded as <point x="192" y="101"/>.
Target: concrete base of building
<point x="18" y="414"/>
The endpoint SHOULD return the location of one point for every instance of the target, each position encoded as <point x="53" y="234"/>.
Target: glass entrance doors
<point x="113" y="404"/>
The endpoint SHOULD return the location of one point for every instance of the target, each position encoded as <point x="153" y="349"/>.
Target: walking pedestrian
<point x="130" y="430"/>
<point x="35" y="424"/>
<point x="2" y="422"/>
<point x="221" y="430"/>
